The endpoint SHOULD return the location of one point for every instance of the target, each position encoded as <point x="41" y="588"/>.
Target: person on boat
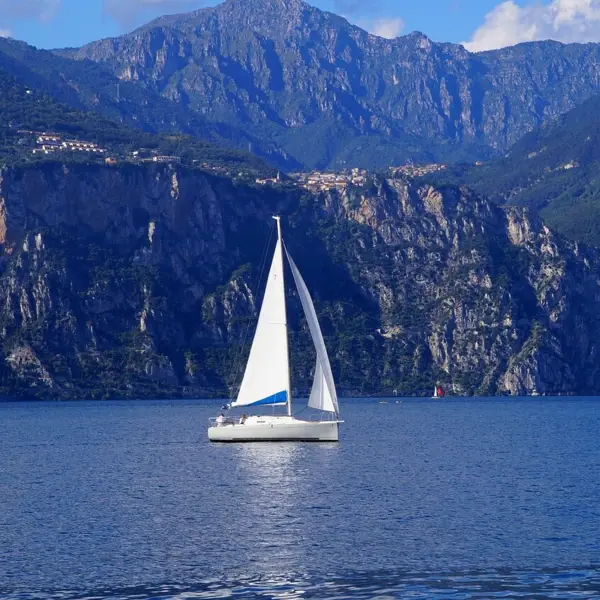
<point x="243" y="419"/>
<point x="221" y="420"/>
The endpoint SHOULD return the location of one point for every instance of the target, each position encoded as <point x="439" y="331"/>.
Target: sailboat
<point x="267" y="380"/>
<point x="438" y="392"/>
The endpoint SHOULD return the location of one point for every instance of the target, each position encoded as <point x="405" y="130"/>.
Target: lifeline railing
<point x="215" y="422"/>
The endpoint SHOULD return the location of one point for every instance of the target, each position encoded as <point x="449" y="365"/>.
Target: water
<point x="424" y="499"/>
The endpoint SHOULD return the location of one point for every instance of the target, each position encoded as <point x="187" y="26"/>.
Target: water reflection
<point x="267" y="455"/>
<point x="276" y="484"/>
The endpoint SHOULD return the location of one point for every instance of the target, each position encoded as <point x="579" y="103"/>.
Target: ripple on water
<point x="105" y="500"/>
<point x="577" y="583"/>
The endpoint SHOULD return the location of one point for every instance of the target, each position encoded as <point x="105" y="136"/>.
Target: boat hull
<point x="275" y="429"/>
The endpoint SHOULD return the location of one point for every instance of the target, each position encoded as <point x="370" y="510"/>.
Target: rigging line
<point x="238" y="359"/>
<point x="302" y="411"/>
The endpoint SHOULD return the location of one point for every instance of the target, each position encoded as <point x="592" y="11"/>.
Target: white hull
<point x="275" y="429"/>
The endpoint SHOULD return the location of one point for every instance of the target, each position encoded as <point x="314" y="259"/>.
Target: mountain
<point x="328" y="94"/>
<point x="24" y="110"/>
<point x="141" y="281"/>
<point x="553" y="169"/>
<point x="87" y="86"/>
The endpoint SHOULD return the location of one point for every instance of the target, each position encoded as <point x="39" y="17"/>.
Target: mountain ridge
<point x="85" y="85"/>
<point x="137" y="280"/>
<point x="291" y="75"/>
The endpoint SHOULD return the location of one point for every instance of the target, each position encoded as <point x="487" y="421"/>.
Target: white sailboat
<point x="267" y="381"/>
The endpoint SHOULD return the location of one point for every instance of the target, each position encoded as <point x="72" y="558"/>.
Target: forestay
<point x="323" y="395"/>
<point x="266" y="377"/>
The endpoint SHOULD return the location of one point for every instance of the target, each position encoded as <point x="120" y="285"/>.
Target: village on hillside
<point x="44" y="143"/>
<point x="48" y="143"/>
<point x="321" y="181"/>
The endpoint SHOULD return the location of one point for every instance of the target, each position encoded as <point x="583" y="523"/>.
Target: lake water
<point x="454" y="499"/>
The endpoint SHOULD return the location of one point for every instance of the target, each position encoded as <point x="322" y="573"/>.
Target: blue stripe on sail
<point x="278" y="398"/>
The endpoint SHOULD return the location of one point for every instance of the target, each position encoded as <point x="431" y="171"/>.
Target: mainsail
<point x="323" y="395"/>
<point x="266" y="378"/>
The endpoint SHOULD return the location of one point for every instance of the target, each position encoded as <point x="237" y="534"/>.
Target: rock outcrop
<point x="143" y="280"/>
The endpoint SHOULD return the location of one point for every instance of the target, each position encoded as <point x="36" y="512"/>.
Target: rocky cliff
<point x="327" y="93"/>
<point x="142" y="281"/>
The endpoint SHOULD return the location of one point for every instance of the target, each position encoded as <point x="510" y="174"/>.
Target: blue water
<point x="453" y="499"/>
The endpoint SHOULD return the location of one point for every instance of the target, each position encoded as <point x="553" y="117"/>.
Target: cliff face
<point x="105" y="272"/>
<point x="553" y="169"/>
<point x="141" y="281"/>
<point x="286" y="73"/>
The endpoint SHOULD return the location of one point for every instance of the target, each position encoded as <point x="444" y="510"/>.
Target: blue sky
<point x="482" y="24"/>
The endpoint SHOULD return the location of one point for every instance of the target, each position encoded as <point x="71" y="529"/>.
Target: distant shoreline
<point x="374" y="399"/>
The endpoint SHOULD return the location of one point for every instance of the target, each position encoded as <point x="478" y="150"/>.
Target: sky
<point x="478" y="24"/>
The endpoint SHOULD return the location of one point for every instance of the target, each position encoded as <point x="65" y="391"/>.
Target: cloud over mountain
<point x="387" y="28"/>
<point x="562" y="20"/>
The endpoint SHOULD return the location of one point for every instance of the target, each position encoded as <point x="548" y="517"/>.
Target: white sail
<point x="320" y="398"/>
<point x="323" y="395"/>
<point x="267" y="371"/>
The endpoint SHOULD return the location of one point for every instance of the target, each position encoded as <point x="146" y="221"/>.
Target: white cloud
<point x="383" y="27"/>
<point x="561" y="20"/>
<point x="44" y="10"/>
<point x="127" y="12"/>
<point x="5" y="33"/>
<point x="387" y="28"/>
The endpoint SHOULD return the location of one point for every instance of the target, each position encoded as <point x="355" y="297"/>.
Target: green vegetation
<point x="555" y="170"/>
<point x="24" y="109"/>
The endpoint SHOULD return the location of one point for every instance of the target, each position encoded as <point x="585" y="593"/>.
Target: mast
<point x="287" y="349"/>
